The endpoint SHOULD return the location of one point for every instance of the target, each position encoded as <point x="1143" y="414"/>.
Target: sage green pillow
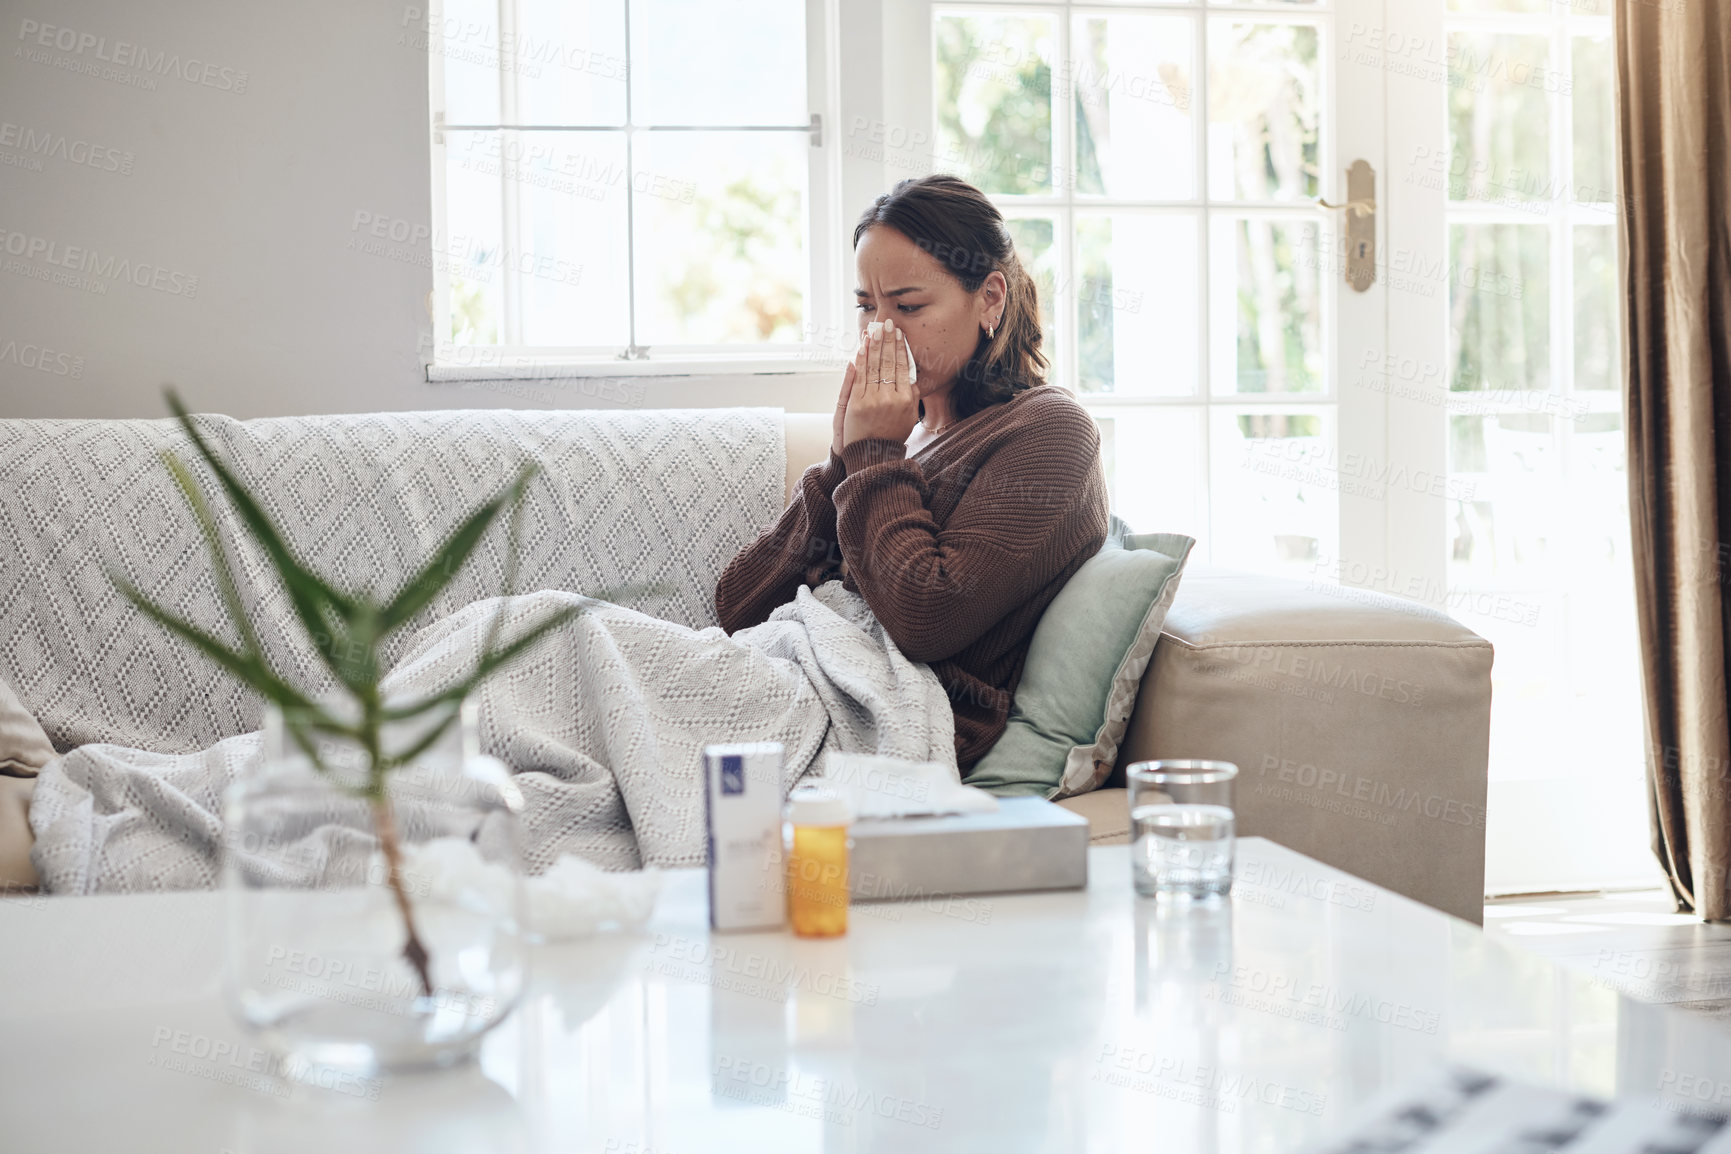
<point x="1085" y="665"/>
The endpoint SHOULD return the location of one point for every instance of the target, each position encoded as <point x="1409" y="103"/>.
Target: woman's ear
<point x="995" y="290"/>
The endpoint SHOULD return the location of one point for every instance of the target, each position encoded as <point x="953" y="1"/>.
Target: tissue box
<point x="1028" y="844"/>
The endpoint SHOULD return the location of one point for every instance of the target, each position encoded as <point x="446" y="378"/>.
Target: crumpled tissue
<point x="572" y="899"/>
<point x="881" y="786"/>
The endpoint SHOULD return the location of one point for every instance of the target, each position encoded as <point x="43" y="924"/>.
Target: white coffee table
<point x="1086" y="1020"/>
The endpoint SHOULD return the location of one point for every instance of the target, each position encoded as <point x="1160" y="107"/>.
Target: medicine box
<point x="743" y="818"/>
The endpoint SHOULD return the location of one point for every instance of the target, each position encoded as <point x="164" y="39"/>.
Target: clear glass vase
<point x="319" y="966"/>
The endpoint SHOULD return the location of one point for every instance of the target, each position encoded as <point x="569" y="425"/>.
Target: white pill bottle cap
<point x="818" y="805"/>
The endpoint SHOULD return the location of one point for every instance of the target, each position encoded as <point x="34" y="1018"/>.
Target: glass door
<point x="1508" y="375"/>
<point x="1162" y="167"/>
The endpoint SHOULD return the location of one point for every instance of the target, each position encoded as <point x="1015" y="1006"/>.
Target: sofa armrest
<point x="1359" y="722"/>
<point x="808" y="436"/>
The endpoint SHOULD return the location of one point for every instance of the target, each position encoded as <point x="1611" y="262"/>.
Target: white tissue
<point x="572" y="899"/>
<point x="575" y="898"/>
<point x="880" y="786"/>
<point x="876" y="328"/>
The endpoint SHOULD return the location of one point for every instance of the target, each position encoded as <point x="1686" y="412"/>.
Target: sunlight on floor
<point x="1634" y="942"/>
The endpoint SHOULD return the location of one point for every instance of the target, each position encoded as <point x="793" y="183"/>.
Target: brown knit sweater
<point x="957" y="549"/>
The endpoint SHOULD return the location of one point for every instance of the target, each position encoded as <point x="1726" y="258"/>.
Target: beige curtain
<point x="1674" y="116"/>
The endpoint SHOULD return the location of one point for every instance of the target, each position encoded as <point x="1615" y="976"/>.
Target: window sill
<point x="488" y="365"/>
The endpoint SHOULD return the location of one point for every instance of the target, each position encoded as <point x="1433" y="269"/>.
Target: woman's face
<point x="943" y="321"/>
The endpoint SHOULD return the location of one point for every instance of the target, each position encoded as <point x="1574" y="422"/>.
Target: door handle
<point x="1355" y="206"/>
<point x="1360" y="209"/>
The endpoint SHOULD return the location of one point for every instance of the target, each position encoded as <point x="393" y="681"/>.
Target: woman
<point x="930" y="548"/>
<point x="957" y="499"/>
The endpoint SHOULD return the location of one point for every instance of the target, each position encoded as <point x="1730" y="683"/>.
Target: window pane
<point x="1568" y="662"/>
<point x="1598" y="363"/>
<point x="469" y="244"/>
<point x="993" y="87"/>
<point x="570" y="190"/>
<point x="1135" y="130"/>
<point x="1265" y="290"/>
<point x="570" y="62"/>
<point x="721" y="237"/>
<point x="1153" y="461"/>
<point x="1139" y="322"/>
<point x="1595" y="150"/>
<point x="1500" y="302"/>
<point x="1503" y="473"/>
<point x="467" y="42"/>
<point x="1033" y="237"/>
<point x="1499" y="117"/>
<point x="1264" y="102"/>
<point x="1274" y="500"/>
<point x="718" y="62"/>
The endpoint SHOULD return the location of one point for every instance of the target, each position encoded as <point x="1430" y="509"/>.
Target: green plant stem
<point x="385" y="823"/>
<point x="413" y="950"/>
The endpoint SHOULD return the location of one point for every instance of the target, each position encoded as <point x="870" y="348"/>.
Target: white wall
<point x="247" y="177"/>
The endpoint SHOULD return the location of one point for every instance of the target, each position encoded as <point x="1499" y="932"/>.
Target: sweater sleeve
<point x="798" y="548"/>
<point x="1031" y="508"/>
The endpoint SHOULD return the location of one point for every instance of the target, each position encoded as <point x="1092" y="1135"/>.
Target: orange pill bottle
<point x="815" y="841"/>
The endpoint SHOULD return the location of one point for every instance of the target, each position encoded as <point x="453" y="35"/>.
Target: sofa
<point x="1359" y="722"/>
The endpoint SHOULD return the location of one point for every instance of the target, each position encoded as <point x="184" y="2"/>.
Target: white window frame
<point x="826" y="319"/>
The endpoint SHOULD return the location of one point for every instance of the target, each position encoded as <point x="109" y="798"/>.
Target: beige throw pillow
<point x="24" y="748"/>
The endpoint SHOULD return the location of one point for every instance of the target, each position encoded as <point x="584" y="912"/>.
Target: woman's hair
<point x="954" y="222"/>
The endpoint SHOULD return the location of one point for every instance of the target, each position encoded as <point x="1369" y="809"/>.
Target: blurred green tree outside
<point x="1499" y="274"/>
<point x="473" y="321"/>
<point x="993" y="87"/>
<point x="743" y="276"/>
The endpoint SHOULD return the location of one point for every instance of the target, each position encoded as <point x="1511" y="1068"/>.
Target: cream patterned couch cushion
<point x="624" y="497"/>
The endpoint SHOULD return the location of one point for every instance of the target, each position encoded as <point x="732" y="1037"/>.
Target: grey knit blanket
<point x="604" y="724"/>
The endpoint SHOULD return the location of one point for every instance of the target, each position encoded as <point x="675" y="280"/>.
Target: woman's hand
<point x="889" y="409"/>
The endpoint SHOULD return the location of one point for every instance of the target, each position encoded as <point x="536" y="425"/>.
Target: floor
<point x="1631" y="941"/>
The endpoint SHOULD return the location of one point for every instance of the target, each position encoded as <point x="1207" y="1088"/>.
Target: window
<point x="630" y="180"/>
<point x="1159" y="166"/>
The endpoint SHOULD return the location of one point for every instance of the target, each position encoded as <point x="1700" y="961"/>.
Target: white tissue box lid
<point x="1012" y="813"/>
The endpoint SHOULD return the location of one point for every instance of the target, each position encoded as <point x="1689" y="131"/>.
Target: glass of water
<point x="1181" y="827"/>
